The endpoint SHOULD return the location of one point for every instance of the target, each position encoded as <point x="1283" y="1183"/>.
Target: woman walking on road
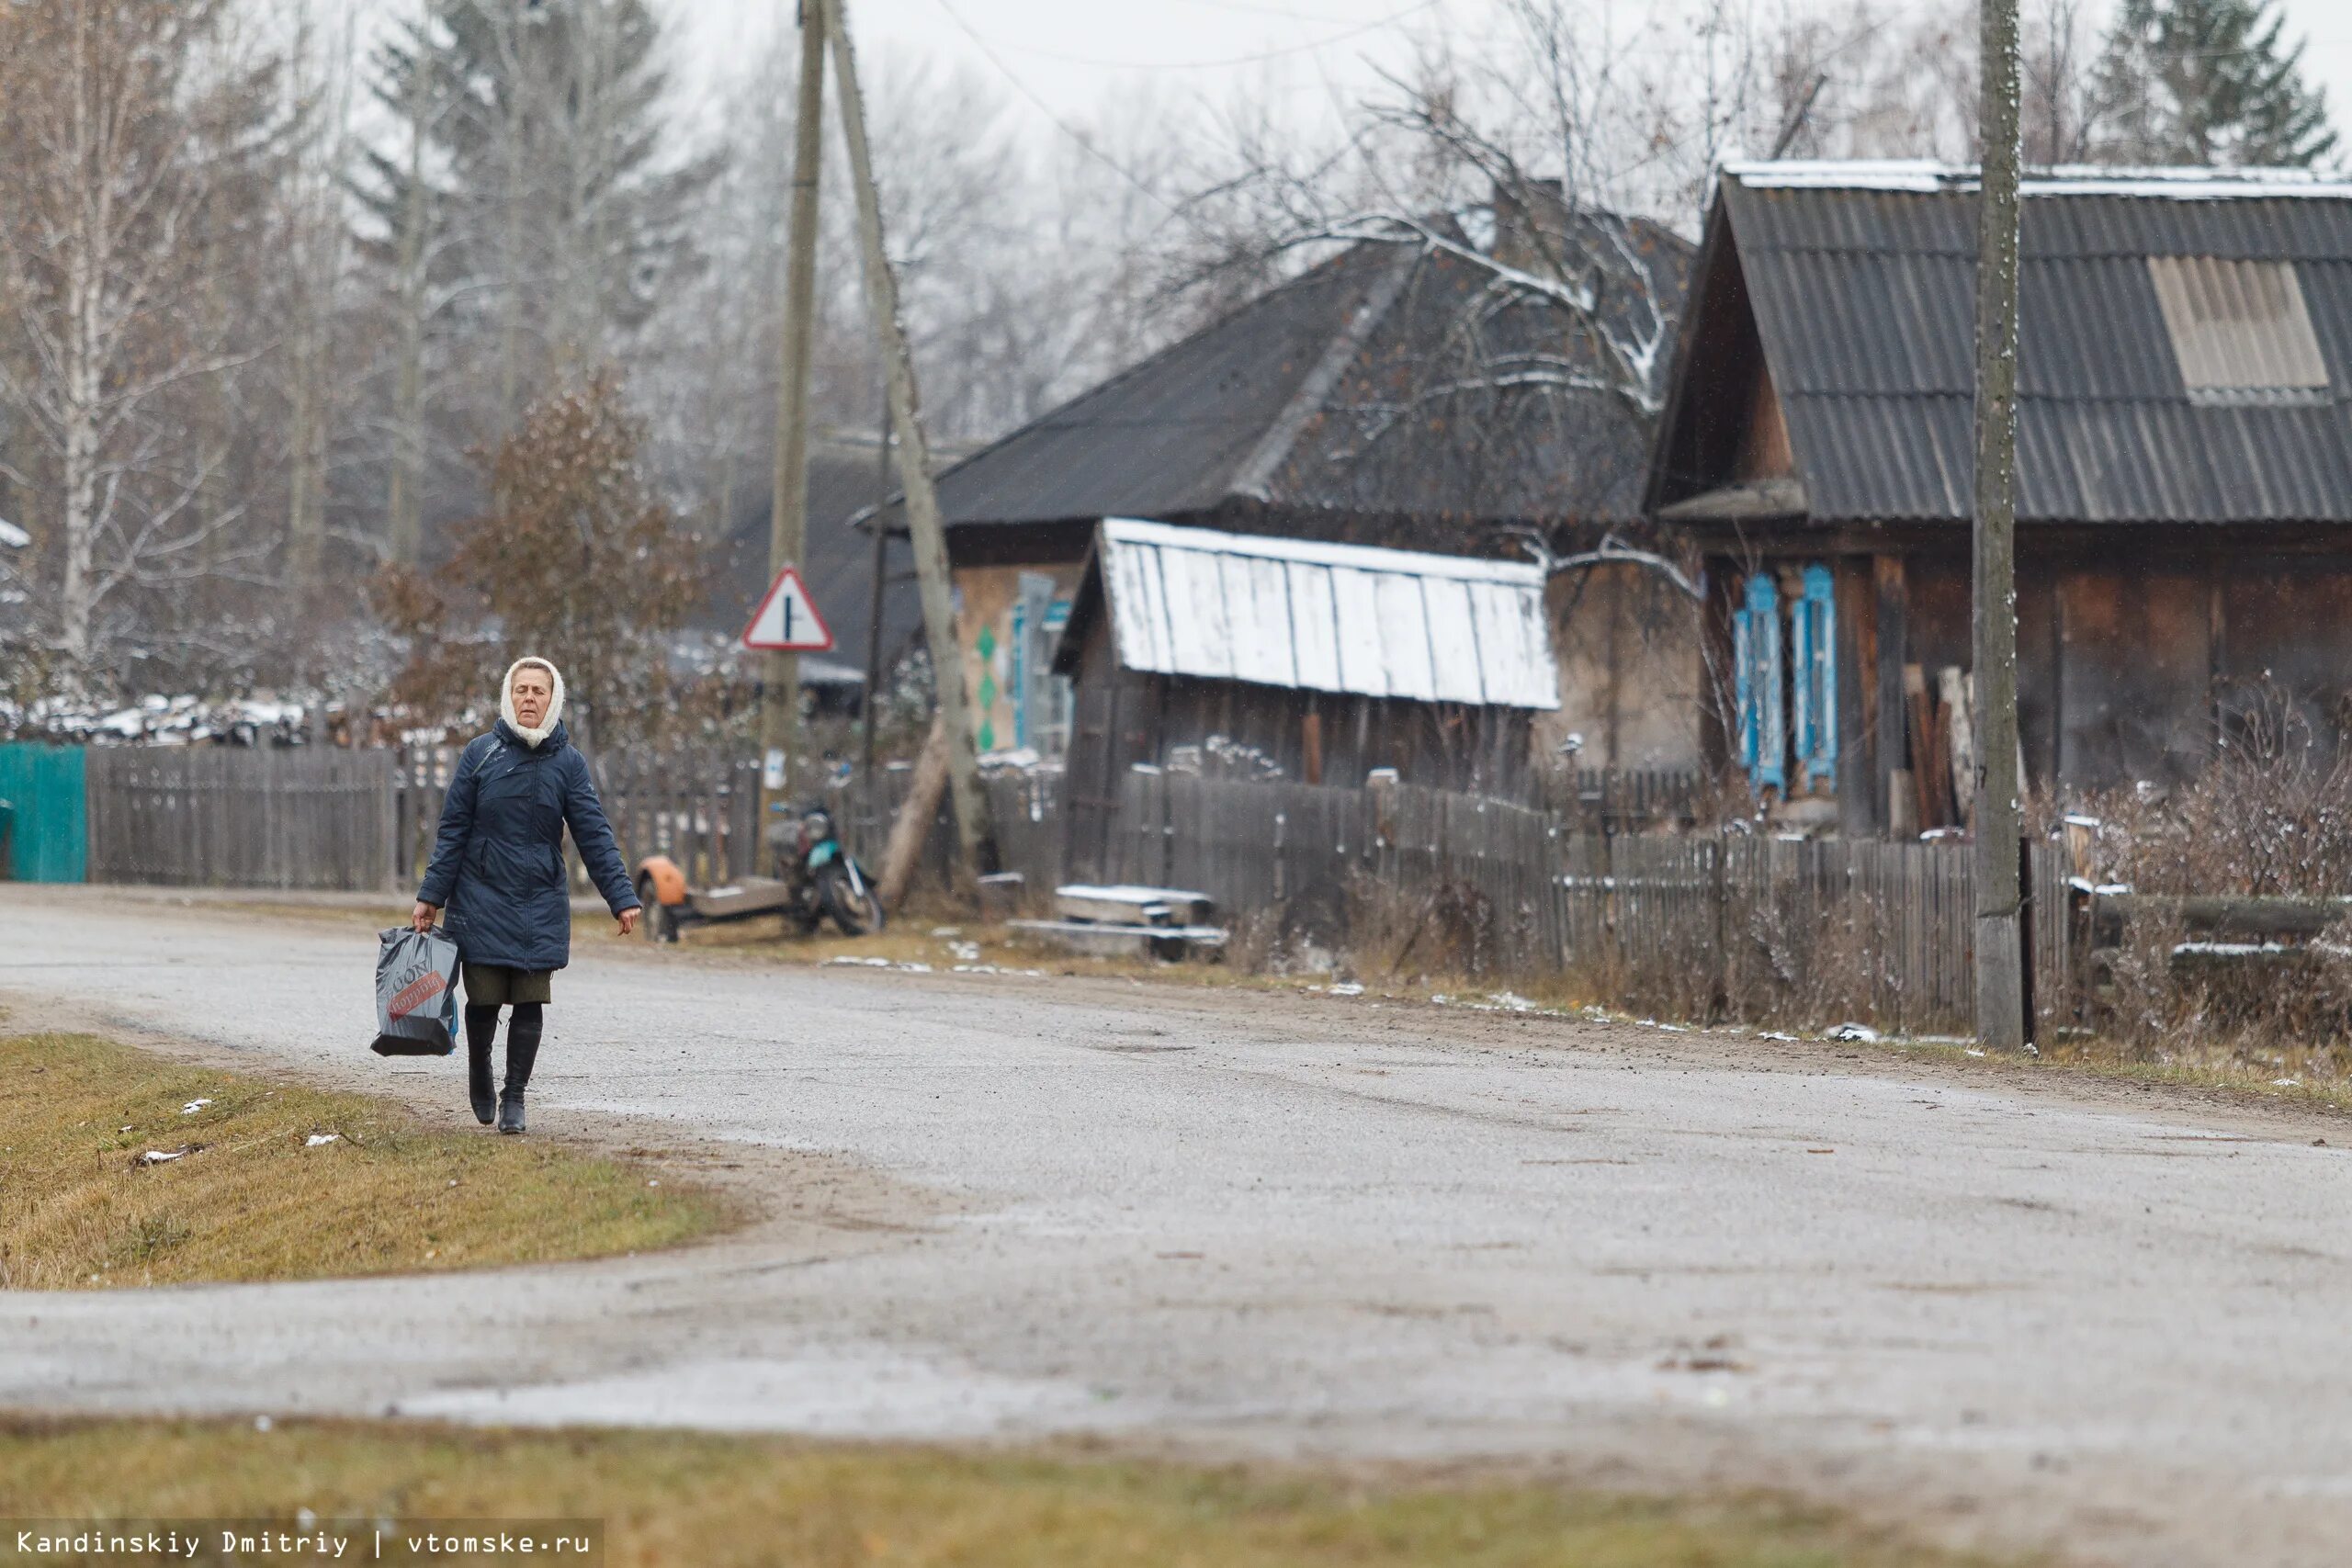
<point x="498" y="871"/>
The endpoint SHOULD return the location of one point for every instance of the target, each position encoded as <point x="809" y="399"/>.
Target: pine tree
<point x="527" y="209"/>
<point x="2207" y="82"/>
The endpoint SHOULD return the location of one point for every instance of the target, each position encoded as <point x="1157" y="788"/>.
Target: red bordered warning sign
<point x="787" y="620"/>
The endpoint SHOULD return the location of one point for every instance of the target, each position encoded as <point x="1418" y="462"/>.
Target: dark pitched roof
<point x="1167" y="434"/>
<point x="1862" y="285"/>
<point x="1347" y="389"/>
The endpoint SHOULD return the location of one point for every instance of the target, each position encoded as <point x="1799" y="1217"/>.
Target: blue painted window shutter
<point x="1812" y="649"/>
<point x="1755" y="656"/>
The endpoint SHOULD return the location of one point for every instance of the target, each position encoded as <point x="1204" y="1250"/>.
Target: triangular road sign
<point x="787" y="620"/>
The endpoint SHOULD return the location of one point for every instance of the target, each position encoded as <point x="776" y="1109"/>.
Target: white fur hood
<point x="506" y="702"/>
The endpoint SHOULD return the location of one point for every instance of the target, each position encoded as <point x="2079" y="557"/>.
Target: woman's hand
<point x="421" y="918"/>
<point x="627" y="919"/>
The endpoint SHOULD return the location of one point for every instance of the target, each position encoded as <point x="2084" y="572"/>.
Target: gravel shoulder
<point x="2001" y="1305"/>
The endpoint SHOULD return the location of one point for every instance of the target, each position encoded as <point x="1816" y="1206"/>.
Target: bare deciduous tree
<point x="576" y="557"/>
<point x="132" y="137"/>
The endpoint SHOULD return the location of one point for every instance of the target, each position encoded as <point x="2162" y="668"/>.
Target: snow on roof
<point x="1925" y="175"/>
<point x="1325" y="618"/>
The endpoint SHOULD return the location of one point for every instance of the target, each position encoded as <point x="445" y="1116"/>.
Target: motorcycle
<point x="815" y="880"/>
<point x="828" y="879"/>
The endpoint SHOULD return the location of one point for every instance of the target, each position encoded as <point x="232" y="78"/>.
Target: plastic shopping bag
<point x="416" y="994"/>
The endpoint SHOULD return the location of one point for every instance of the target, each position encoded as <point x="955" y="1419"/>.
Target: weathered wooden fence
<point x="1621" y="800"/>
<point x="1026" y="807"/>
<point x="1762" y="926"/>
<point x="1697" y="923"/>
<point x="1717" y="923"/>
<point x="700" y="809"/>
<point x="230" y="817"/>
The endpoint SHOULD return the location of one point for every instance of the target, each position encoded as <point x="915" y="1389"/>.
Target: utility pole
<point x="875" y="592"/>
<point x="2000" y="974"/>
<point x="925" y="530"/>
<point x="788" y="503"/>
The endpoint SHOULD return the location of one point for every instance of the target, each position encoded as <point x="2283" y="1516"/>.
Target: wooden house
<point x="1352" y="405"/>
<point x="2185" y="473"/>
<point x="1316" y="661"/>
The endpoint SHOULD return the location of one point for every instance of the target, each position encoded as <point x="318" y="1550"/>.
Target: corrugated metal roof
<point x="2174" y="183"/>
<point x="1864" y="295"/>
<point x="1324" y="617"/>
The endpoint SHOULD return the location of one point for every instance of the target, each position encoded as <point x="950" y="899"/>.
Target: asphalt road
<point x="2019" y="1307"/>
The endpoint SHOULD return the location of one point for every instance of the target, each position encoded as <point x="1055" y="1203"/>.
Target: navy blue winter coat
<point x="497" y="872"/>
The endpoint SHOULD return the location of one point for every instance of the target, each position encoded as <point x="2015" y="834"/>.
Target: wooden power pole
<point x="976" y="833"/>
<point x="2000" y="974"/>
<point x="789" y="506"/>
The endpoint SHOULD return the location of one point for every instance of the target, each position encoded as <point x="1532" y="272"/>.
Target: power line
<point x="1085" y="142"/>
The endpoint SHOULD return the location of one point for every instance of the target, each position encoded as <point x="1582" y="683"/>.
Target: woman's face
<point x="533" y="691"/>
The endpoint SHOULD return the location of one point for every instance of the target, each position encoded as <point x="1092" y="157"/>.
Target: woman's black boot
<point x="481" y="1028"/>
<point x="522" y="1050"/>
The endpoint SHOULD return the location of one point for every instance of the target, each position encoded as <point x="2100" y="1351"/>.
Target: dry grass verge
<point x="714" y="1502"/>
<point x="248" y="1194"/>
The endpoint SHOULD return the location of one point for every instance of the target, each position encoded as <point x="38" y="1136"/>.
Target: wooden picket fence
<point x="229" y="817"/>
<point x="700" y="809"/>
<point x="1025" y="807"/>
<point x="1764" y="929"/>
<point x="1628" y="800"/>
<point x="1699" y="923"/>
<point x="1721" y="924"/>
<point x="1728" y="924"/>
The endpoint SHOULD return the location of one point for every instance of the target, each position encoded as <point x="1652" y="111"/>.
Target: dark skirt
<point x="496" y="985"/>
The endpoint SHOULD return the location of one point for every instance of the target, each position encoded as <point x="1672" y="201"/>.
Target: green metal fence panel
<point x="49" y="839"/>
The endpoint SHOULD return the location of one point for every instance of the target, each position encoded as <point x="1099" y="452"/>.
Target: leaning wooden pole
<point x="975" y="831"/>
<point x="788" y="498"/>
<point x="2000" y="974"/>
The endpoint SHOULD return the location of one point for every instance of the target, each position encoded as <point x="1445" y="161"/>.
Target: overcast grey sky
<point x="1070" y="55"/>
